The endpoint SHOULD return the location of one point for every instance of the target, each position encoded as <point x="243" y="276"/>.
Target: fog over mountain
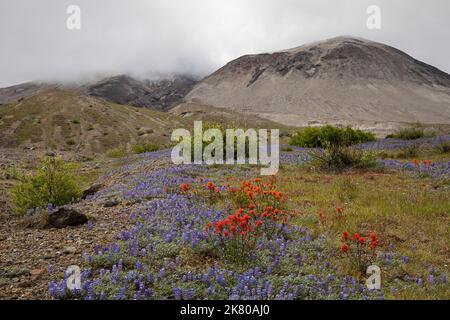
<point x="152" y="38"/>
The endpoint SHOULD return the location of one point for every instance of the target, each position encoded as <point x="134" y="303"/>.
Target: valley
<point x="142" y="227"/>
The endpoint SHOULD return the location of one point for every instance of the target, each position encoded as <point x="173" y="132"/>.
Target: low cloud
<point x="146" y="38"/>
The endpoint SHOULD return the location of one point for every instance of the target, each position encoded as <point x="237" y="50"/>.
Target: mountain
<point x="56" y="119"/>
<point x="22" y="91"/>
<point x="340" y="80"/>
<point x="158" y="94"/>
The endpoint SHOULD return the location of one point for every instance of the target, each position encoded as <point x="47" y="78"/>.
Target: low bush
<point x="145" y="147"/>
<point x="339" y="158"/>
<point x="444" y="147"/>
<point x="316" y="137"/>
<point x="53" y="183"/>
<point x="70" y="142"/>
<point x="116" y="153"/>
<point x="207" y="126"/>
<point x="413" y="132"/>
<point x="411" y="151"/>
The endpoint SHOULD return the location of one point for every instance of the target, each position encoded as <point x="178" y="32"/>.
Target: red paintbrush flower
<point x="185" y="186"/>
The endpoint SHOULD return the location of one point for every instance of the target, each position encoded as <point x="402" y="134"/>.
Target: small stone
<point x="36" y="272"/>
<point x="70" y="250"/>
<point x="111" y="203"/>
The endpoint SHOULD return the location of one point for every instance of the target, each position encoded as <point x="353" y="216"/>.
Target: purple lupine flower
<point x="177" y="293"/>
<point x="220" y="279"/>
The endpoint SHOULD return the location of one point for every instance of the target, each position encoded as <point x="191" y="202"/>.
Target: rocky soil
<point x="32" y="255"/>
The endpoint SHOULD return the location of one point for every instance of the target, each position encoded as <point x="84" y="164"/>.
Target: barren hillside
<point x="341" y="80"/>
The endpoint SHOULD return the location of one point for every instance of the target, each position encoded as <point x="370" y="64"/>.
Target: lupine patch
<point x="168" y="254"/>
<point x="172" y="251"/>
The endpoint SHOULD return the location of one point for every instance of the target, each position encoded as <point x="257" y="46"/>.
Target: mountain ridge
<point x="157" y="94"/>
<point x="343" y="79"/>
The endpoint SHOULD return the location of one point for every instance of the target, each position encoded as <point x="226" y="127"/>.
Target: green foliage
<point x="116" y="153"/>
<point x="413" y="132"/>
<point x="207" y="126"/>
<point x="145" y="147"/>
<point x="444" y="147"/>
<point x="316" y="137"/>
<point x="70" y="142"/>
<point x="408" y="152"/>
<point x="53" y="182"/>
<point x="335" y="157"/>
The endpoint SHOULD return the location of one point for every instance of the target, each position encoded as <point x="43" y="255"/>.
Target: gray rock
<point x="70" y="250"/>
<point x="91" y="190"/>
<point x="111" y="203"/>
<point x="64" y="217"/>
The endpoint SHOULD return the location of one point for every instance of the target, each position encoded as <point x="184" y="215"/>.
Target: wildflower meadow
<point x="199" y="232"/>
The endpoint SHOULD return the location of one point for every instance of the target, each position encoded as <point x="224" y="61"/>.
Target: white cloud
<point x="197" y="36"/>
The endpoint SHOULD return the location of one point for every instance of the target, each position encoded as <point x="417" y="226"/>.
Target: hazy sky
<point x="142" y="37"/>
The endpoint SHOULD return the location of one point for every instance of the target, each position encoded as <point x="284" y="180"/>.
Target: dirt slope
<point x="341" y="80"/>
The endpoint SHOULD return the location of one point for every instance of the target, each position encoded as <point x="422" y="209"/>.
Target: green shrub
<point x="411" y="151"/>
<point x="383" y="154"/>
<point x="444" y="147"/>
<point x="316" y="137"/>
<point x="334" y="157"/>
<point x="207" y="126"/>
<point x="116" y="153"/>
<point x="53" y="182"/>
<point x="414" y="132"/>
<point x="146" y="147"/>
<point x="70" y="142"/>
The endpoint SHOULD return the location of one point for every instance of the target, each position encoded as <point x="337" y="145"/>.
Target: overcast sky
<point x="143" y="37"/>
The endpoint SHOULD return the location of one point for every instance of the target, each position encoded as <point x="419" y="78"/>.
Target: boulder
<point x="91" y="190"/>
<point x="64" y="217"/>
